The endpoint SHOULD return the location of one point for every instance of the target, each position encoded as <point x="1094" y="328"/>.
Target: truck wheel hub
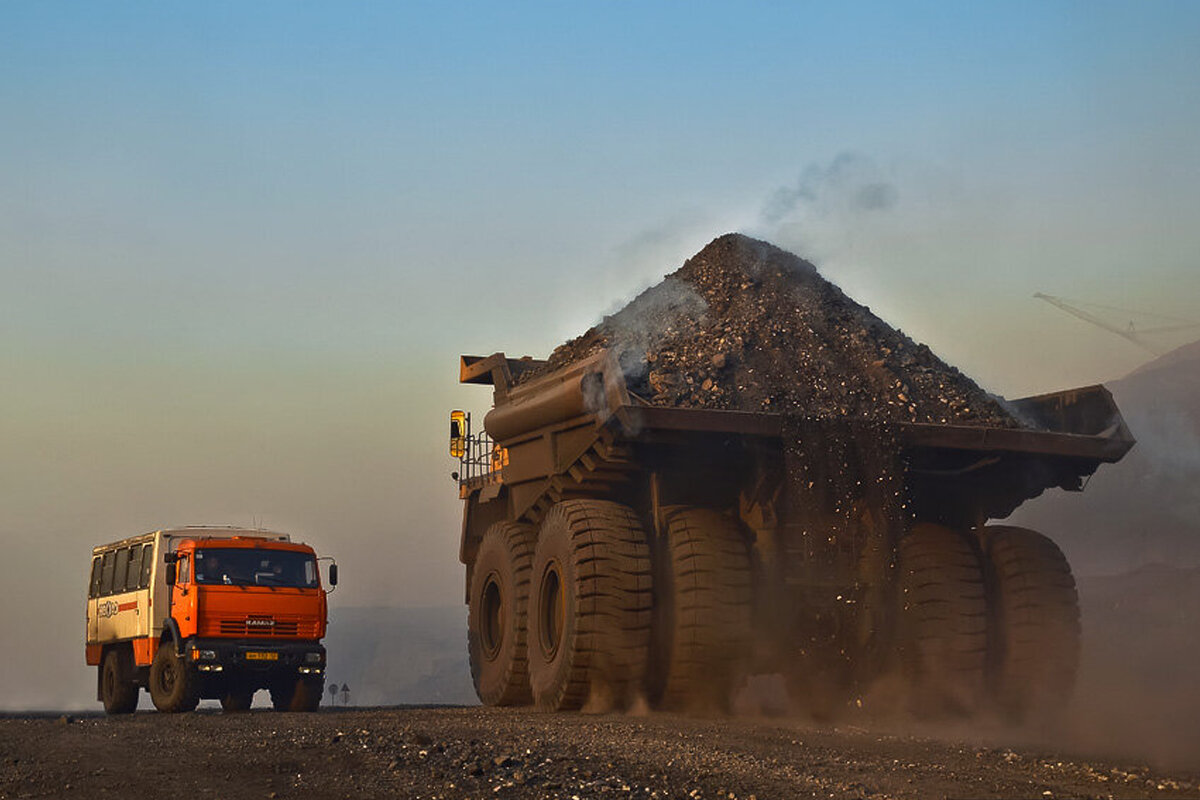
<point x="551" y="611"/>
<point x="491" y="607"/>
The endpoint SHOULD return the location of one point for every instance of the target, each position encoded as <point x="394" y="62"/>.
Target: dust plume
<point x="828" y="205"/>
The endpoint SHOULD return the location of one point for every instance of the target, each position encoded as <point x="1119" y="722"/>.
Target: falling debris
<point x="745" y="326"/>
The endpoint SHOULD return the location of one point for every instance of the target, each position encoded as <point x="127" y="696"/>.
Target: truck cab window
<point x="243" y="566"/>
<point x="94" y="586"/>
<point x="184" y="570"/>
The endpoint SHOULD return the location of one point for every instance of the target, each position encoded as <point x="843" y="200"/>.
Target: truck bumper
<point x="256" y="656"/>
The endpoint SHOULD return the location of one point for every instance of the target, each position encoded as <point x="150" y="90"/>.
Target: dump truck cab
<point x="204" y="612"/>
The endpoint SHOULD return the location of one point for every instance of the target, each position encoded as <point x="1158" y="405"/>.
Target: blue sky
<point x="243" y="244"/>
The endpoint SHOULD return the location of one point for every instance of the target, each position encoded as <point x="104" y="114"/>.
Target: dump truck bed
<point x="1073" y="421"/>
<point x="551" y="420"/>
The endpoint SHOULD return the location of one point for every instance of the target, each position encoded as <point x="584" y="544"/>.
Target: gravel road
<point x="482" y="753"/>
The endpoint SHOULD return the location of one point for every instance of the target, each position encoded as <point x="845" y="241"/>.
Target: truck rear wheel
<point x="703" y="613"/>
<point x="118" y="693"/>
<point x="497" y="612"/>
<point x="589" y="620"/>
<point x="174" y="686"/>
<point x="943" y="621"/>
<point x="237" y="698"/>
<point x="307" y="696"/>
<point x="1035" y="622"/>
<point x="297" y="694"/>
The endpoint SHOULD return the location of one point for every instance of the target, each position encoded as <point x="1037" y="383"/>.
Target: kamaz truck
<point x="207" y="612"/>
<point x="615" y="549"/>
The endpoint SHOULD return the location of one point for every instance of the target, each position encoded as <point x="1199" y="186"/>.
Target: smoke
<point x="1171" y="437"/>
<point x="665" y="310"/>
<point x="827" y="206"/>
<point x="668" y="242"/>
<point x="849" y="184"/>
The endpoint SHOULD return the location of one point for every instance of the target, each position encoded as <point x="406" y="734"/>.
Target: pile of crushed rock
<point x="746" y="326"/>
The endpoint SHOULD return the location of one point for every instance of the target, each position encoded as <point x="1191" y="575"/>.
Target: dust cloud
<point x="1133" y="538"/>
<point x="827" y="206"/>
<point x="1136" y="696"/>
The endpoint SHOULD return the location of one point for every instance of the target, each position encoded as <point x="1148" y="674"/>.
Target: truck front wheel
<point x="497" y="612"/>
<point x="118" y="693"/>
<point x="174" y="686"/>
<point x="589" y="626"/>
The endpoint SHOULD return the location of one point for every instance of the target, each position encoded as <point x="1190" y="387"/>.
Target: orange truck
<point x="207" y="613"/>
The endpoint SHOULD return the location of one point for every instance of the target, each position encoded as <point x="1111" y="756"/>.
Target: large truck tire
<point x="497" y="612"/>
<point x="236" y="698"/>
<point x="307" y="695"/>
<point x="297" y="694"/>
<point x="589" y="618"/>
<point x="1035" y="623"/>
<point x="282" y="691"/>
<point x="702" y="612"/>
<point x="942" y="621"/>
<point x="117" y="691"/>
<point x="174" y="686"/>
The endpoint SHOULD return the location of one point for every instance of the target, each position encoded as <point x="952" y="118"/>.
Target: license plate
<point x="257" y="656"/>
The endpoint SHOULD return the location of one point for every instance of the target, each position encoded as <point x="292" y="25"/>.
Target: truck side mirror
<point x="171" y="573"/>
<point x="333" y="574"/>
<point x="459" y="427"/>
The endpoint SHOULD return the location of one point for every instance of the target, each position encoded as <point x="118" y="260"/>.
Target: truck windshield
<point x="243" y="566"/>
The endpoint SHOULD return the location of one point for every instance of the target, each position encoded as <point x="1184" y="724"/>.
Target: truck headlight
<point x="204" y="655"/>
<point x="313" y="658"/>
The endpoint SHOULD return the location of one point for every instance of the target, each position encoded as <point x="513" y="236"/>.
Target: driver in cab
<point x="209" y="569"/>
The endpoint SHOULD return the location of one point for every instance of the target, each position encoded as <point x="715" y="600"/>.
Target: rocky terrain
<point x="478" y="753"/>
<point x="744" y="325"/>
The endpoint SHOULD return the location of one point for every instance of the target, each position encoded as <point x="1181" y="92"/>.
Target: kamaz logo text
<point x="260" y="623"/>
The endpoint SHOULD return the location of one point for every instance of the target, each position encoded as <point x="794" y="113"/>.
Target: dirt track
<point x="477" y="753"/>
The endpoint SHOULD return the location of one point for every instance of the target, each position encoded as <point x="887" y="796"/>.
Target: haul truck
<point x="207" y="612"/>
<point x="616" y="549"/>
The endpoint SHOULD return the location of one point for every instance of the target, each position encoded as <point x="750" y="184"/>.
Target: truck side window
<point x="122" y="564"/>
<point x="94" y="586"/>
<point x="106" y="574"/>
<point x="183" y="569"/>
<point x="147" y="565"/>
<point x="134" y="573"/>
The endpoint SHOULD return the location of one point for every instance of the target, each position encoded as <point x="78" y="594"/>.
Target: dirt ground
<point x="479" y="752"/>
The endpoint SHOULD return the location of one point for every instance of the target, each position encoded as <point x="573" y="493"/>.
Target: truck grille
<point x="281" y="628"/>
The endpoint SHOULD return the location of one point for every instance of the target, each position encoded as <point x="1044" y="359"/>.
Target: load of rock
<point x="746" y="326"/>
